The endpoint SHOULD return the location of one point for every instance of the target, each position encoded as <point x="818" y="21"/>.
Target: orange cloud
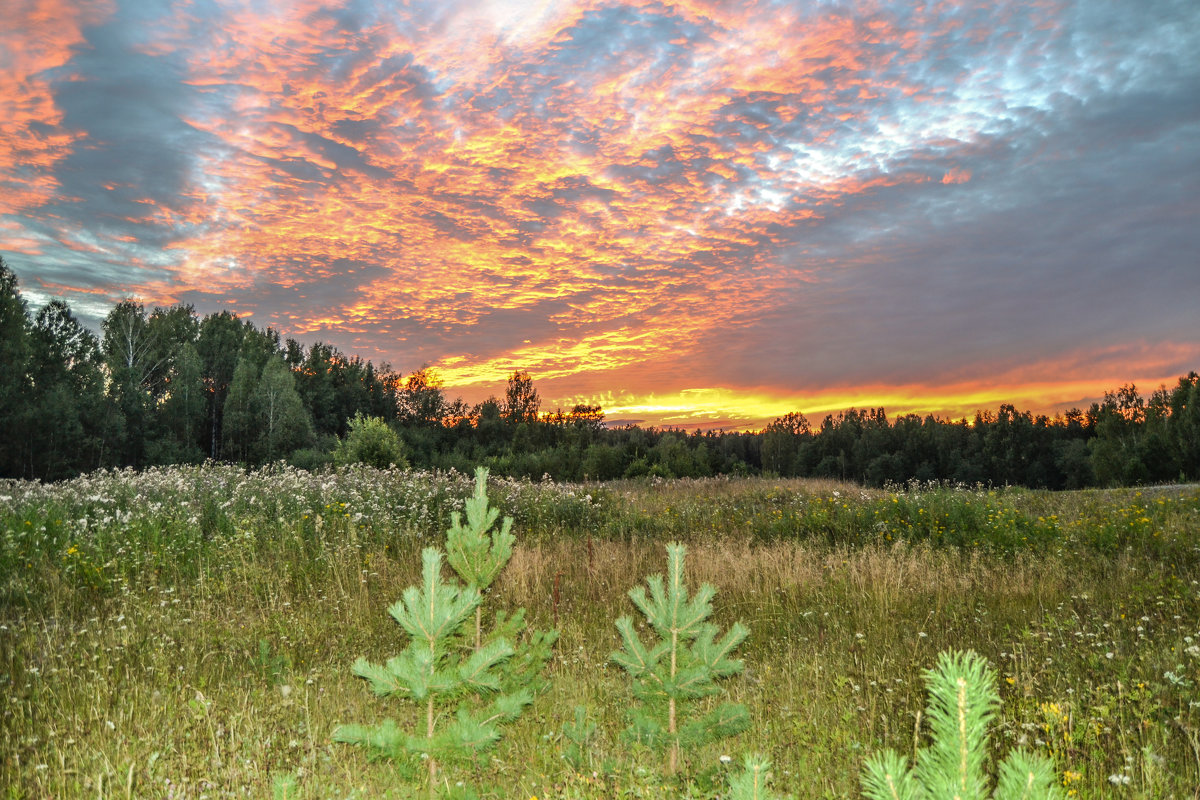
<point x="39" y="37"/>
<point x="957" y="176"/>
<point x="617" y="181"/>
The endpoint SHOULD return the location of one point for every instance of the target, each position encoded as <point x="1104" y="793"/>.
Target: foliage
<point x="521" y="400"/>
<point x="683" y="666"/>
<point x="753" y="781"/>
<point x="962" y="705"/>
<point x="436" y="672"/>
<point x="473" y="550"/>
<point x="370" y="441"/>
<point x="432" y="673"/>
<point x="476" y="552"/>
<point x="579" y="733"/>
<point x="167" y="386"/>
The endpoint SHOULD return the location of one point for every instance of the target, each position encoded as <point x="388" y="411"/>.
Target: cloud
<point x="659" y="196"/>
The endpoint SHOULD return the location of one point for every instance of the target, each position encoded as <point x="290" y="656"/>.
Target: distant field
<point x="188" y="632"/>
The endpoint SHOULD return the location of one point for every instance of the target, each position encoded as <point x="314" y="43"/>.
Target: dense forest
<point x="167" y="386"/>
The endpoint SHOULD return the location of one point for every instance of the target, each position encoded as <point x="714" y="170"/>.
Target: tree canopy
<point x="170" y="386"/>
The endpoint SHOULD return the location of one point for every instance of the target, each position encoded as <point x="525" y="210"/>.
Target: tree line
<point x="167" y="386"/>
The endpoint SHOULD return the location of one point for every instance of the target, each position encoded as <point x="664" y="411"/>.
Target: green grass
<point x="189" y="632"/>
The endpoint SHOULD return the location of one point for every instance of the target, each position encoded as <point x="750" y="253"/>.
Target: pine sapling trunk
<point x="478" y="626"/>
<point x="673" y="759"/>
<point x="964" y="749"/>
<point x="429" y="738"/>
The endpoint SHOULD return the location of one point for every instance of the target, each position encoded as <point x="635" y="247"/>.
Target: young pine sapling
<point x="478" y="554"/>
<point x="683" y="666"/>
<point x="432" y="673"/>
<point x="752" y="783"/>
<point x="487" y="682"/>
<point x="962" y="703"/>
<point x="473" y="550"/>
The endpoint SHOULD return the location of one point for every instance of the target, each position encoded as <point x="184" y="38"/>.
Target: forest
<point x="168" y="386"/>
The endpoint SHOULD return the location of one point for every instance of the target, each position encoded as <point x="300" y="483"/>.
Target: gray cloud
<point x="918" y="192"/>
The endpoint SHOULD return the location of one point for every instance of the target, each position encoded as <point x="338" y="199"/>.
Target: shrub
<point x="370" y="441"/>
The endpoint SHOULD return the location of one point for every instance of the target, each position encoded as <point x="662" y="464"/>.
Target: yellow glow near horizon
<point x="730" y="409"/>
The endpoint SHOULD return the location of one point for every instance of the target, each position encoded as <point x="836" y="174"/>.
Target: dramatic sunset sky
<point x="706" y="212"/>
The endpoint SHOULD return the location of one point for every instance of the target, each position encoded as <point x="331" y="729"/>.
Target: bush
<point x="370" y="441"/>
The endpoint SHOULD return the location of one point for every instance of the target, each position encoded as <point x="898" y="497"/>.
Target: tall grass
<point x="188" y="632"/>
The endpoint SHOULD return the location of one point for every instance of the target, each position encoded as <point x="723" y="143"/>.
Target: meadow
<point x="188" y="632"/>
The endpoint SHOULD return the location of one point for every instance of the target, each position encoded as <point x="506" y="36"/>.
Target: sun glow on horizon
<point x="718" y="408"/>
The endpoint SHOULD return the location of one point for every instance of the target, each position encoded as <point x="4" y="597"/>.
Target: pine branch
<point x="886" y="776"/>
<point x="962" y="703"/>
<point x="507" y="707"/>
<point x="476" y="672"/>
<point x="635" y="657"/>
<point x="728" y="719"/>
<point x="1025" y="776"/>
<point x="383" y="680"/>
<point x="714" y="654"/>
<point x="386" y="737"/>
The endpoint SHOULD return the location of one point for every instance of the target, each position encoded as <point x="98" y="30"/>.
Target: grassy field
<point x="189" y="632"/>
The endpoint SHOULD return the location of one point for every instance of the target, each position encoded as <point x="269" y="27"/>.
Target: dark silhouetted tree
<point x="15" y="407"/>
<point x="239" y="427"/>
<point x="521" y="400"/>
<point x="67" y="394"/>
<point x="421" y="401"/>
<point x="218" y="344"/>
<point x="182" y="413"/>
<point x="781" y="441"/>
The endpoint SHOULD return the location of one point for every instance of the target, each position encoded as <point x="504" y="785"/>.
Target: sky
<point x="705" y="213"/>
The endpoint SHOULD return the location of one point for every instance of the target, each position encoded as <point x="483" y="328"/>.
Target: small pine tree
<point x="578" y="735"/>
<point x="473" y="550"/>
<point x="478" y="554"/>
<point x="431" y="672"/>
<point x="683" y="666"/>
<point x="962" y="703"/>
<point x="440" y="669"/>
<point x="751" y="783"/>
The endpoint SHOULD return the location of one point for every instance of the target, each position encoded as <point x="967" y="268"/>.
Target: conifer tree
<point x="473" y="550"/>
<point x="962" y="703"/>
<point x="752" y="782"/>
<point x="478" y="554"/>
<point x="432" y="673"/>
<point x="487" y="682"/>
<point x="683" y="666"/>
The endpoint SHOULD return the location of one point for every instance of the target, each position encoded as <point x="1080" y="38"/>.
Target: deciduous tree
<point x="521" y="400"/>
